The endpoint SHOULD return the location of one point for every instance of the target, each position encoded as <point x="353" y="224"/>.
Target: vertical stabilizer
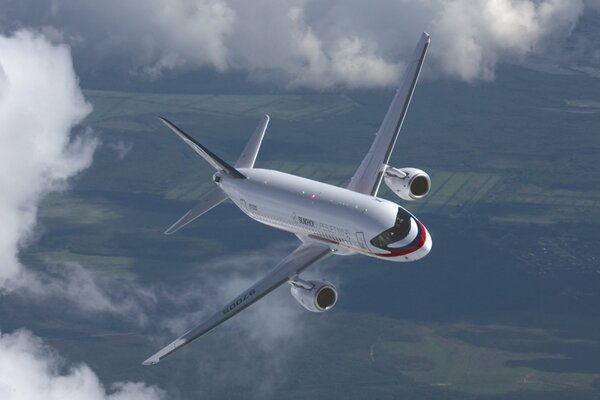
<point x="248" y="156"/>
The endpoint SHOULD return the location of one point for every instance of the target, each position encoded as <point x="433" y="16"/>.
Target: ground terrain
<point x="505" y="306"/>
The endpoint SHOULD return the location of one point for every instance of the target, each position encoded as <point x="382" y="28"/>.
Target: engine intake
<point x="315" y="296"/>
<point x="407" y="183"/>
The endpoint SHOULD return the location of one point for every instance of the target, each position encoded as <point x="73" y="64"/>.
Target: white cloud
<point x="121" y="148"/>
<point x="275" y="318"/>
<point x="272" y="329"/>
<point x="40" y="103"/>
<point x="348" y="60"/>
<point x="474" y="36"/>
<point x="31" y="370"/>
<point x="83" y="293"/>
<point x="307" y="43"/>
<point x="187" y="33"/>
<point x="71" y="288"/>
<point x="71" y="292"/>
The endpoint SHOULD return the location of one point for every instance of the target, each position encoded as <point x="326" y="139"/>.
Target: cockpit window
<point x="394" y="234"/>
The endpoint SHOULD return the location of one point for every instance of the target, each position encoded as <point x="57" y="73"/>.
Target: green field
<point x="487" y="158"/>
<point x="505" y="306"/>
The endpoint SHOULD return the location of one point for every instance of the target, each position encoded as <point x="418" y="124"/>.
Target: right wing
<point x="367" y="177"/>
<point x="305" y="255"/>
<point x="213" y="199"/>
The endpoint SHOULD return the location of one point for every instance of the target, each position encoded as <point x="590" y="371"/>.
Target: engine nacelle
<point x="407" y="183"/>
<point x="315" y="296"/>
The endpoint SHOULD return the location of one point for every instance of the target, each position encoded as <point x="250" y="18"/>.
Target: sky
<point x="47" y="49"/>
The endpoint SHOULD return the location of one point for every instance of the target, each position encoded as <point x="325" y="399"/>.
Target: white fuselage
<point x="316" y="211"/>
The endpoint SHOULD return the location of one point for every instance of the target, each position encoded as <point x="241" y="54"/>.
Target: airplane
<point x="327" y="219"/>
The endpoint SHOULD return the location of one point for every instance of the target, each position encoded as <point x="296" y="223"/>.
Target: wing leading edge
<point x="367" y="177"/>
<point x="305" y="255"/>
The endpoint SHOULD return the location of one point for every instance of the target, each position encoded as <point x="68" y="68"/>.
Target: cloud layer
<point x="40" y="102"/>
<point x="304" y="43"/>
<point x="263" y="338"/>
<point x="475" y="36"/>
<point x="31" y="370"/>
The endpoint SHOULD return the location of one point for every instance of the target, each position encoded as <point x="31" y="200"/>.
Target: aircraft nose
<point x="426" y="247"/>
<point x="428" y="242"/>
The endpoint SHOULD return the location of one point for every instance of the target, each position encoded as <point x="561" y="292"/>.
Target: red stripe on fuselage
<point x="422" y="232"/>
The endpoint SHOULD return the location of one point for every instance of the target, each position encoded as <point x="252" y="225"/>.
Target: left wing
<point x="305" y="255"/>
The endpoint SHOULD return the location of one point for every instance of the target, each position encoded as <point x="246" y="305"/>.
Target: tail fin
<point x="248" y="156"/>
<point x="210" y="157"/>
<point x="217" y="196"/>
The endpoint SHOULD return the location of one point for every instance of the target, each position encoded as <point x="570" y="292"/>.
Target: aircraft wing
<point x="305" y="255"/>
<point x="367" y="177"/>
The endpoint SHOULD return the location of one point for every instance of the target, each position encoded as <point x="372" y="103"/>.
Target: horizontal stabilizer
<point x="248" y="156"/>
<point x="213" y="199"/>
<point x="212" y="159"/>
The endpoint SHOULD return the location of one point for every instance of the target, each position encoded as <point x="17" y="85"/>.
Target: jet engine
<point x="315" y="296"/>
<point x="407" y="183"/>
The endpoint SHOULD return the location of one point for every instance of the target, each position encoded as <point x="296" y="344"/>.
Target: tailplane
<point x="213" y="199"/>
<point x="209" y="156"/>
<point x="217" y="196"/>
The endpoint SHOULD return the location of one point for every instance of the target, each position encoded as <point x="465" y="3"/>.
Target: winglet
<point x="209" y="156"/>
<point x="151" y="361"/>
<point x="156" y="357"/>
